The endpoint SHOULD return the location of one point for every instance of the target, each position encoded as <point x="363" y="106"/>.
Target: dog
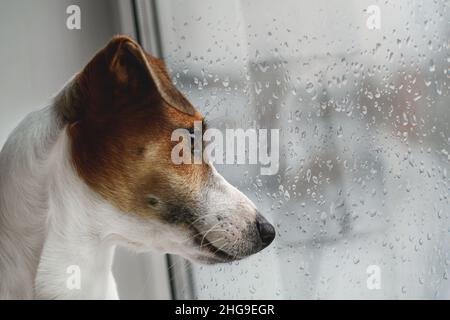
<point x="93" y="170"/>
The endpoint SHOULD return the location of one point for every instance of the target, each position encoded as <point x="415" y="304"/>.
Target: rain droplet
<point x="432" y="67"/>
<point x="308" y="175"/>
<point x="309" y="87"/>
<point x="226" y="82"/>
<point x="323" y="216"/>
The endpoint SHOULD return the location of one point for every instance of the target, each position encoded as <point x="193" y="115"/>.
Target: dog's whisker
<point x="199" y="233"/>
<point x="202" y="217"/>
<point x="220" y="248"/>
<point x="211" y="229"/>
<point x="211" y="242"/>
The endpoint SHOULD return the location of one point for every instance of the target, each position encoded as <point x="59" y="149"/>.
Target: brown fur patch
<point x="121" y="143"/>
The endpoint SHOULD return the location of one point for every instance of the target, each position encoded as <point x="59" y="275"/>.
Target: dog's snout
<point x="265" y="229"/>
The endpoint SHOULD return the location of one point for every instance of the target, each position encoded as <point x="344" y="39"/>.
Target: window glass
<point x="359" y="91"/>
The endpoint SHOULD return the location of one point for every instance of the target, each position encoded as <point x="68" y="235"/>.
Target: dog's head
<point x="121" y="123"/>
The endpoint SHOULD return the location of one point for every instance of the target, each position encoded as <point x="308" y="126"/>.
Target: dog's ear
<point x="122" y="70"/>
<point x="134" y="69"/>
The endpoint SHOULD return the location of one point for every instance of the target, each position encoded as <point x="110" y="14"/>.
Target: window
<point x="361" y="198"/>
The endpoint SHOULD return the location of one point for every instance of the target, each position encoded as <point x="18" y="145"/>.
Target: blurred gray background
<point x="38" y="54"/>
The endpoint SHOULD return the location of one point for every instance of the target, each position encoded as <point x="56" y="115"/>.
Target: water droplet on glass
<point x="432" y="67"/>
<point x="308" y="175"/>
<point x="309" y="87"/>
<point x="226" y="82"/>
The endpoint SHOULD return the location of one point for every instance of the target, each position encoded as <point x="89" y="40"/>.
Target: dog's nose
<point x="265" y="229"/>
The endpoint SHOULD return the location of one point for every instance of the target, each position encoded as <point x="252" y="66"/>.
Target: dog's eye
<point x="152" y="201"/>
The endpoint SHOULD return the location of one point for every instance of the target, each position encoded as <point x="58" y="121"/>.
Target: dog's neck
<point x="75" y="265"/>
<point x="78" y="250"/>
<point x="51" y="224"/>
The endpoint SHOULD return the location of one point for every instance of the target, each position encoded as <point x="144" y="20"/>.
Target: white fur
<point x="24" y="199"/>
